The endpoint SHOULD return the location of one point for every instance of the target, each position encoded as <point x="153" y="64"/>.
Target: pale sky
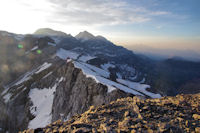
<point x="156" y="23"/>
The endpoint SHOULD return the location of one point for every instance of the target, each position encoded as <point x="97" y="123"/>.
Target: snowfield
<point x="85" y="58"/>
<point x="42" y="105"/>
<point x="63" y="54"/>
<point x="139" y="87"/>
<point x="42" y="100"/>
<point x="102" y="75"/>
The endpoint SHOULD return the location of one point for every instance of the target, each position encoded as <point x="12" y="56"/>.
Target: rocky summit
<point x="167" y="114"/>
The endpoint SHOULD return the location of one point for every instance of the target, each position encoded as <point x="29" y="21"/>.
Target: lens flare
<point x="20" y="46"/>
<point x="39" y="51"/>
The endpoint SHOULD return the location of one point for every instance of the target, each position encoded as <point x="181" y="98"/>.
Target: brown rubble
<point x="168" y="114"/>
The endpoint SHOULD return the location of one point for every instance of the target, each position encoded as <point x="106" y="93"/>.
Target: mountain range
<point x="50" y="73"/>
<point x="163" y="54"/>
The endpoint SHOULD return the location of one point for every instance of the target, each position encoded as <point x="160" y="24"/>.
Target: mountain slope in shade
<point x="168" y="114"/>
<point x="18" y="54"/>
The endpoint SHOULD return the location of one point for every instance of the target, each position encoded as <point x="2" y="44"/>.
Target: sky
<point x="163" y="24"/>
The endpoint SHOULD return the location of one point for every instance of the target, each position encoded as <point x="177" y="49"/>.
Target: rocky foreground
<point x="168" y="114"/>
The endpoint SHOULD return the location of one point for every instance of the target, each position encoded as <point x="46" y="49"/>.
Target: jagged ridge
<point x="168" y="114"/>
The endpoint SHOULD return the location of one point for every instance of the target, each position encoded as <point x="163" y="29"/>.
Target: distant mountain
<point x="171" y="75"/>
<point x="162" y="54"/>
<point x="84" y="36"/>
<point x="49" y="32"/>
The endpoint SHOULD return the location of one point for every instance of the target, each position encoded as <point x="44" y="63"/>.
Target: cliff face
<point x="168" y="114"/>
<point x="76" y="93"/>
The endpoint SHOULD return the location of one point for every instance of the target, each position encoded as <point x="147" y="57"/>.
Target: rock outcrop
<point x="168" y="114"/>
<point x="76" y="93"/>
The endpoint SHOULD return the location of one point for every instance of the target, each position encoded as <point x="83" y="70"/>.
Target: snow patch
<point x="133" y="77"/>
<point x="88" y="72"/>
<point x="43" y="67"/>
<point x="42" y="100"/>
<point x="139" y="87"/>
<point x="34" y="48"/>
<point x="93" y="70"/>
<point x="61" y="79"/>
<point x="69" y="60"/>
<point x="52" y="44"/>
<point x="119" y="75"/>
<point x="42" y="104"/>
<point x="143" y="80"/>
<point x="56" y="39"/>
<point x="26" y="77"/>
<point x="47" y="75"/>
<point x="85" y="58"/>
<point x="19" y="37"/>
<point x="63" y="54"/>
<point x="127" y="68"/>
<point x="96" y="74"/>
<point x="107" y="66"/>
<point x="7" y="97"/>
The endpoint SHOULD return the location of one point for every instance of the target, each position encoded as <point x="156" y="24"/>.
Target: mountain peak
<point x="50" y="32"/>
<point x="84" y="36"/>
<point x="101" y="38"/>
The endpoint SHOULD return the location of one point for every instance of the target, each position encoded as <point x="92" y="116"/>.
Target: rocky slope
<point x="168" y="114"/>
<point x="52" y="89"/>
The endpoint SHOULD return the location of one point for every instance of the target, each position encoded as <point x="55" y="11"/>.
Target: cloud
<point x="99" y="12"/>
<point x="72" y="15"/>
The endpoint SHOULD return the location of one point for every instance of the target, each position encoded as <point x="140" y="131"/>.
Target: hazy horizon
<point x="158" y="24"/>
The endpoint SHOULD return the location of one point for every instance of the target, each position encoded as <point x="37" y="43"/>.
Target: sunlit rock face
<point x="168" y="114"/>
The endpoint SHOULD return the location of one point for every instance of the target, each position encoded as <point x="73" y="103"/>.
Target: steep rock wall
<point x="77" y="93"/>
